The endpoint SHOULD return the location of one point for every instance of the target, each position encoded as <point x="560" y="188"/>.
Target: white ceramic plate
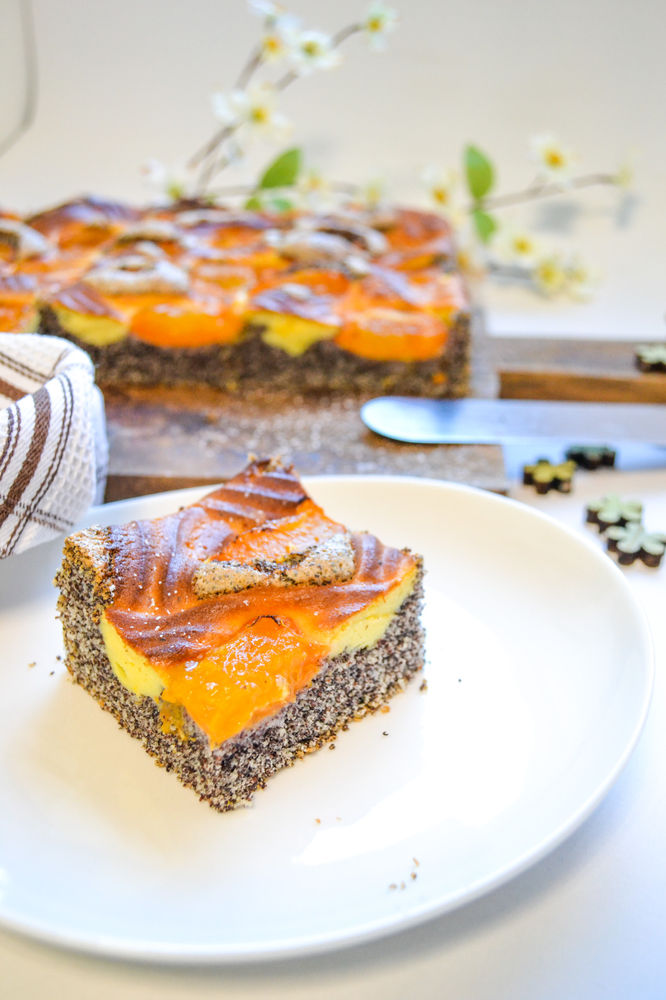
<point x="538" y="680"/>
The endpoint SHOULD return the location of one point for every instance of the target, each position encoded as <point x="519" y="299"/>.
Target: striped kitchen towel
<point x="53" y="449"/>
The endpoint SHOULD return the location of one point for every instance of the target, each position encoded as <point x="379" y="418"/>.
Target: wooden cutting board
<point x="586" y="370"/>
<point x="166" y="438"/>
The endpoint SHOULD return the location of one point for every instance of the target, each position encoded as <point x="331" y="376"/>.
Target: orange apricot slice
<point x="441" y="292"/>
<point x="235" y="236"/>
<point x="247" y="678"/>
<point x="384" y="288"/>
<point x="189" y="324"/>
<point x="413" y="228"/>
<point x="223" y="275"/>
<point x="16" y="317"/>
<point x="319" y="280"/>
<point x="17" y="302"/>
<point x="382" y="334"/>
<point x="434" y="253"/>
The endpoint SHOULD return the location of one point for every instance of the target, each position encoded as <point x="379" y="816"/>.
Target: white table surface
<point x="587" y="921"/>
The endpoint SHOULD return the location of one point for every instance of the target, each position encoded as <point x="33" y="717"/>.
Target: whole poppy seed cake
<point x="352" y="301"/>
<point x="239" y="633"/>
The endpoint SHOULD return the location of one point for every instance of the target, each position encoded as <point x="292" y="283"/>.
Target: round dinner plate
<point x="535" y="690"/>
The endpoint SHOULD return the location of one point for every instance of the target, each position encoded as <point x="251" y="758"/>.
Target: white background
<point x="125" y="80"/>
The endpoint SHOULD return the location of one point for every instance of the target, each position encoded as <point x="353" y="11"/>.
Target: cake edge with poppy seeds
<point x="346" y="686"/>
<point x="325" y="368"/>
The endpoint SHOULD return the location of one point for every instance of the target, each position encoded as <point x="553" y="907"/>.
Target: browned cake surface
<point x="355" y="300"/>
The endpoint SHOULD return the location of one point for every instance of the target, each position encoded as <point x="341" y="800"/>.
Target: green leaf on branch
<point x="255" y="203"/>
<point x="484" y="224"/>
<point x="479" y="172"/>
<point x="283" y="171"/>
<point x="279" y="204"/>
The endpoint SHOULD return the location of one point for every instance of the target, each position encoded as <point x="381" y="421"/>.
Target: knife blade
<point x="494" y="421"/>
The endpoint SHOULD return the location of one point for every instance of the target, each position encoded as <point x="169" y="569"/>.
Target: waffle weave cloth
<point x="53" y="447"/>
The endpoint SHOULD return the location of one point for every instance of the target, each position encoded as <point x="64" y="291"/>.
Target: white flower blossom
<point x="164" y="180"/>
<point x="312" y="181"/>
<point x="228" y="108"/>
<point x="442" y="186"/>
<point x="254" y="107"/>
<point x="312" y="50"/>
<point x="581" y="281"/>
<point x="377" y="23"/>
<point x="271" y="12"/>
<point x="471" y="260"/>
<point x="444" y="189"/>
<point x="154" y="173"/>
<point x="549" y="275"/>
<point x="373" y="192"/>
<point x="625" y="173"/>
<point x="555" y="162"/>
<point x="314" y="190"/>
<point x="516" y="246"/>
<point x="279" y="38"/>
<point x="624" y="178"/>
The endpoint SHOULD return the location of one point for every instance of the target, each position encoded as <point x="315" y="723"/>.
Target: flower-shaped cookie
<point x="612" y="510"/>
<point x="631" y="541"/>
<point x="590" y="456"/>
<point x="545" y="475"/>
<point x="651" y="357"/>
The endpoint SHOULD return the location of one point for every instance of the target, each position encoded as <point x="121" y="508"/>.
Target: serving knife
<point x="496" y="421"/>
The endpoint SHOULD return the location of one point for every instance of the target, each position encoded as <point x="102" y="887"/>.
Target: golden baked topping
<point x="250" y="587"/>
<point x="191" y="275"/>
<point x="22" y="240"/>
<point x="138" y="274"/>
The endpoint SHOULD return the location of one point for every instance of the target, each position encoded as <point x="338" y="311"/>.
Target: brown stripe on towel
<point x="8" y="448"/>
<point x="46" y="518"/>
<point x="65" y="385"/>
<point x="9" y="390"/>
<point x="22" y="369"/>
<point x="42" y="402"/>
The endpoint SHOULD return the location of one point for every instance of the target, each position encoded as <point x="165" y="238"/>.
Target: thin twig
<point x="249" y="69"/>
<point x="230" y="190"/>
<point x="513" y="271"/>
<point x="286" y="80"/>
<point x="253" y="63"/>
<point x="212" y="167"/>
<point x="344" y="33"/>
<point x="210" y="147"/>
<point x="345" y="187"/>
<point x="544" y="190"/>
